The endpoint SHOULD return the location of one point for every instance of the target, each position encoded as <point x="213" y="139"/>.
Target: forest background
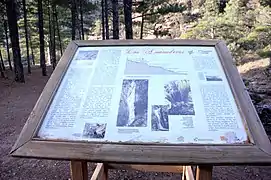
<point x="35" y="33"/>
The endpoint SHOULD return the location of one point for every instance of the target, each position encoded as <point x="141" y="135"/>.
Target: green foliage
<point x="265" y="52"/>
<point x="211" y="8"/>
<point x="245" y="25"/>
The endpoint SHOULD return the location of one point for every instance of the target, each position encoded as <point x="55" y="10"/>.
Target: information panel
<point x="145" y="94"/>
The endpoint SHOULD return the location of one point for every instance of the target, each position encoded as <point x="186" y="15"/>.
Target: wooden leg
<point x="100" y="172"/>
<point x="184" y="174"/>
<point x="79" y="170"/>
<point x="204" y="173"/>
<point x="188" y="173"/>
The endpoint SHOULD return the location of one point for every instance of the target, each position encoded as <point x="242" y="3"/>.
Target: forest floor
<point x="17" y="101"/>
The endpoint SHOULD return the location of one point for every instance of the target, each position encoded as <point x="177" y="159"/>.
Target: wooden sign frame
<point x="257" y="151"/>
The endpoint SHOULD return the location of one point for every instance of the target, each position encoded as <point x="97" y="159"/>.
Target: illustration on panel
<point x="178" y="95"/>
<point x="86" y="55"/>
<point x="94" y="130"/>
<point x="133" y="105"/>
<point x="159" y="118"/>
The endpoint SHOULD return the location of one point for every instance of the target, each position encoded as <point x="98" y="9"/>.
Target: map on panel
<point x="151" y="94"/>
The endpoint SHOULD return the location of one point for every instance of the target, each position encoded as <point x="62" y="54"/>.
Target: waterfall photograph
<point x="178" y="93"/>
<point x="159" y="118"/>
<point x="94" y="130"/>
<point x="87" y="55"/>
<point x="133" y="105"/>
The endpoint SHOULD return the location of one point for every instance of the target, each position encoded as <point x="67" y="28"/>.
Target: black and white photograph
<point x="178" y="95"/>
<point x="87" y="55"/>
<point x="94" y="130"/>
<point x="213" y="78"/>
<point x="159" y="118"/>
<point x="133" y="105"/>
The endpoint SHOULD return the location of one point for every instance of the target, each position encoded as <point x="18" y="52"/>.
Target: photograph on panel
<point x="133" y="105"/>
<point x="159" y="118"/>
<point x="86" y="55"/>
<point x="178" y="93"/>
<point x="213" y="78"/>
<point x="94" y="130"/>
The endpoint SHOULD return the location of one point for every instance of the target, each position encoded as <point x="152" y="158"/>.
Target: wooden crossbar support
<point x="147" y="168"/>
<point x="79" y="170"/>
<point x="188" y="173"/>
<point x="100" y="172"/>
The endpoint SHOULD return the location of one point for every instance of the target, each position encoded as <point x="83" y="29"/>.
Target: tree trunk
<point x="212" y="32"/>
<point x="7" y="44"/>
<point x="2" y="62"/>
<point x="58" y="34"/>
<point x="106" y="19"/>
<point x="1" y="67"/>
<point x="115" y="8"/>
<point x="31" y="47"/>
<point x="14" y="36"/>
<point x="50" y="31"/>
<point x="142" y="26"/>
<point x="103" y="30"/>
<point x="82" y="20"/>
<point x="73" y="12"/>
<point x="78" y="21"/>
<point x="41" y="38"/>
<point x="26" y="37"/>
<point x="127" y="4"/>
<point x="53" y="38"/>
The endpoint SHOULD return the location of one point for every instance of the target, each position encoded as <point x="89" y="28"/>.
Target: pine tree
<point x="81" y="18"/>
<point x="26" y="37"/>
<point x="127" y="4"/>
<point x="7" y="44"/>
<point x="41" y="38"/>
<point x="1" y="66"/>
<point x="74" y="15"/>
<point x="115" y="11"/>
<point x="106" y="12"/>
<point x="103" y="20"/>
<point x="11" y="7"/>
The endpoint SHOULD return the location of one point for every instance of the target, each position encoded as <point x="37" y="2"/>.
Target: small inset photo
<point x="94" y="130"/>
<point x="87" y="55"/>
<point x="213" y="78"/>
<point x="159" y="118"/>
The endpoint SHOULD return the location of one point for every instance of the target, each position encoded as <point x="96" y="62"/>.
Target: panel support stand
<point x="204" y="173"/>
<point x="79" y="170"/>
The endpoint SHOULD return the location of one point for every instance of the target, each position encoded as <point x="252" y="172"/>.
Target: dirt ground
<point x="16" y="103"/>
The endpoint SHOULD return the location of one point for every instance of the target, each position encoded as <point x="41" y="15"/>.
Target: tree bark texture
<point x="82" y="19"/>
<point x="14" y="36"/>
<point x="103" y="26"/>
<point x="53" y="38"/>
<point x="106" y="19"/>
<point x="7" y="44"/>
<point x="26" y="37"/>
<point x="41" y="38"/>
<point x="115" y="8"/>
<point x="58" y="33"/>
<point x="1" y="66"/>
<point x="73" y="12"/>
<point x="127" y="4"/>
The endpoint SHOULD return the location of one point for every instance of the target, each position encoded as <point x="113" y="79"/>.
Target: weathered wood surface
<point x="204" y="173"/>
<point x="79" y="170"/>
<point x="100" y="172"/>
